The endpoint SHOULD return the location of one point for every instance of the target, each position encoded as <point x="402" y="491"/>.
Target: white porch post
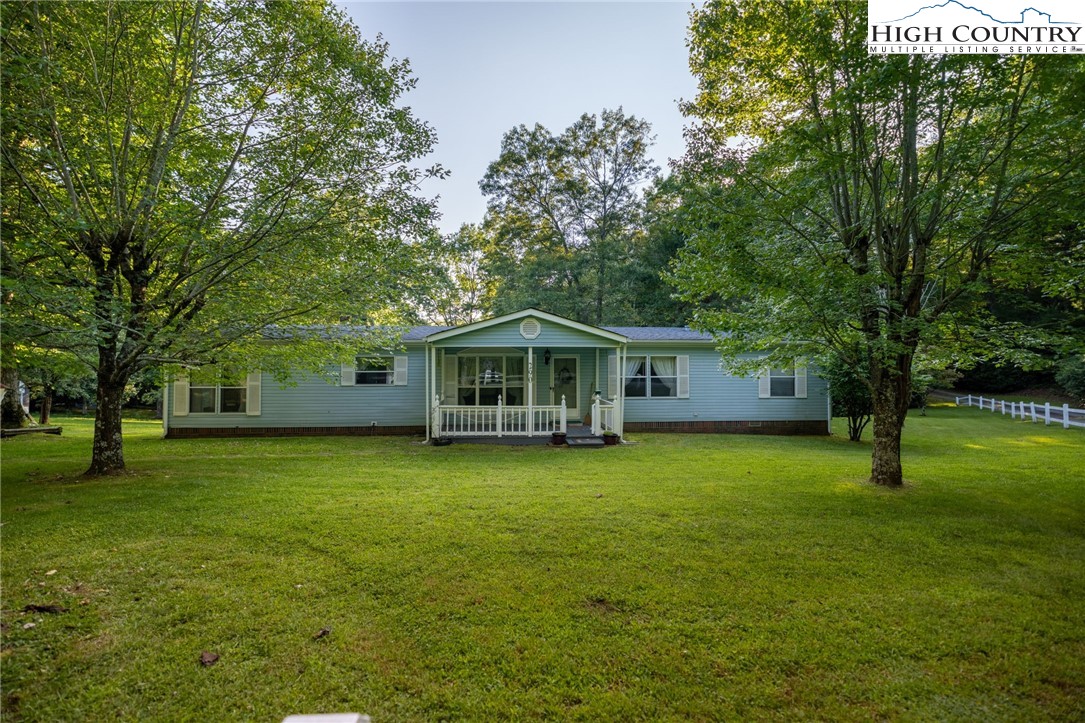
<point x="530" y="391"/>
<point x="431" y="379"/>
<point x="563" y="418"/>
<point x="429" y="412"/>
<point x="500" y="418"/>
<point x="619" y="423"/>
<point x="596" y="371"/>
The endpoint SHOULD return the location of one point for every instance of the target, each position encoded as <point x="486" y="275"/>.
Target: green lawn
<point x="683" y="577"/>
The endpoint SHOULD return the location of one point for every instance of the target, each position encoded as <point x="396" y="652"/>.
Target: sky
<point x="485" y="67"/>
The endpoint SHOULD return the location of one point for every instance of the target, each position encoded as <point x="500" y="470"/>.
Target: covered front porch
<point x="529" y="374"/>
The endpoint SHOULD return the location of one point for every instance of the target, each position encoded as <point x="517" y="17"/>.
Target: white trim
<point x="612" y="375"/>
<point x="253" y="386"/>
<point x="399" y="370"/>
<point x="165" y="409"/>
<point x="553" y="318"/>
<point x="681" y="364"/>
<point x="180" y="396"/>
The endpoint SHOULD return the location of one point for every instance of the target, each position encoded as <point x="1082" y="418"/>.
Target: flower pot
<point x="611" y="439"/>
<point x="557" y="438"/>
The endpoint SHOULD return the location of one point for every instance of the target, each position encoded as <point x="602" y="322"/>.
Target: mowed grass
<point x="703" y="577"/>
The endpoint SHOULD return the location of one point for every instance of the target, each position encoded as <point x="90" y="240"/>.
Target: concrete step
<point x="585" y="441"/>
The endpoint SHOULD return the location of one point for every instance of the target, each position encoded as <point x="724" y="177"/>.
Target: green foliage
<point x="460" y="291"/>
<point x="700" y="577"/>
<point x="1071" y="376"/>
<point x="180" y="176"/>
<point x="565" y="216"/>
<point x="872" y="198"/>
<point x="849" y="387"/>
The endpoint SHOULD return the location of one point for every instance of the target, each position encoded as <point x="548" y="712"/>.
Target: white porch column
<point x="596" y="371"/>
<point x="431" y="364"/>
<point x="623" y="351"/>
<point x="531" y="391"/>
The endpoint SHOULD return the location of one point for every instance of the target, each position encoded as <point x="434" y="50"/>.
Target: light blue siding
<point x="508" y="334"/>
<point x="314" y="402"/>
<point x="715" y="396"/>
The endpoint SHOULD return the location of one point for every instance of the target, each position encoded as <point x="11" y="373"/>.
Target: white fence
<point x="602" y="416"/>
<point x="1045" y="413"/>
<point x="502" y="420"/>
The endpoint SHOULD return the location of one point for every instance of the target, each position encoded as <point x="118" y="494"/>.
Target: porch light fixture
<point x="546" y="357"/>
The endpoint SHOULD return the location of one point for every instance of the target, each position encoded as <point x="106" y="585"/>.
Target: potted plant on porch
<point x="610" y="438"/>
<point x="557" y="438"/>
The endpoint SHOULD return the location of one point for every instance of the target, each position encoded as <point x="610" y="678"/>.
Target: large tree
<point x="855" y="203"/>
<point x="564" y="210"/>
<point x="179" y="176"/>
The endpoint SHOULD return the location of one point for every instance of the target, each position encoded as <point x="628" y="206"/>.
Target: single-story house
<point x="529" y="373"/>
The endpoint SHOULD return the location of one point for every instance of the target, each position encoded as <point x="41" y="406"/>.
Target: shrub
<point x="1070" y="375"/>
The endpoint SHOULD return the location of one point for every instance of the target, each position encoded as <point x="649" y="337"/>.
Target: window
<point x="654" y="377"/>
<point x="782" y="382"/>
<point x="786" y="383"/>
<point x="215" y="392"/>
<point x="635" y="377"/>
<point x="374" y="371"/>
<point x="480" y="380"/>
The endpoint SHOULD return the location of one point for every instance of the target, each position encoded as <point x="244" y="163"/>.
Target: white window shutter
<point x="180" y="396"/>
<point x="252" y="395"/>
<point x="346" y="375"/>
<point x="399" y="375"/>
<point x="683" y="376"/>
<point x="764" y="386"/>
<point x="612" y="376"/>
<point x="800" y="379"/>
<point x="449" y="372"/>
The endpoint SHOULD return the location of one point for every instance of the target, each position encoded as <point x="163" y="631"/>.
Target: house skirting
<point x="791" y="427"/>
<point x="367" y="431"/>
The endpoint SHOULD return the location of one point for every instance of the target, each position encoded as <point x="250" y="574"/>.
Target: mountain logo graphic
<point x="1027" y="16"/>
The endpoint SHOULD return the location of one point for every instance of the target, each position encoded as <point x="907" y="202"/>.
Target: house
<point x="529" y="373"/>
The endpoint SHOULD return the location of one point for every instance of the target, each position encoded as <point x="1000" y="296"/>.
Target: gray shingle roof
<point x="659" y="333"/>
<point x="418" y="333"/>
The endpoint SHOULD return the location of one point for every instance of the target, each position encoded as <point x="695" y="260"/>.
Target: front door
<point x="565" y="380"/>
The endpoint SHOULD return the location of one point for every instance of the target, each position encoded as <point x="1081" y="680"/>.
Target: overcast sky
<point x="485" y="67"/>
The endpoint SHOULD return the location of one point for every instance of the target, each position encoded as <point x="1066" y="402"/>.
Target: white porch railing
<point x="602" y="415"/>
<point x="1045" y="413"/>
<point x="502" y="420"/>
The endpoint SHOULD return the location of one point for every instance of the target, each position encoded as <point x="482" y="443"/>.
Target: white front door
<point x="565" y="380"/>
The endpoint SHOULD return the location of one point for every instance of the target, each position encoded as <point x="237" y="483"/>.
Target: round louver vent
<point x="530" y="328"/>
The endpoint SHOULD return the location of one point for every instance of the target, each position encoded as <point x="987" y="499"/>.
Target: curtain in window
<point x="635" y="377"/>
<point x="664" y="376"/>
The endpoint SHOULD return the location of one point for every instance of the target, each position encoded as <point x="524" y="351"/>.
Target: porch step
<point x="585" y="442"/>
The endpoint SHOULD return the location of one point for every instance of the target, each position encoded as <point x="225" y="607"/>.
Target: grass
<point x="699" y="577"/>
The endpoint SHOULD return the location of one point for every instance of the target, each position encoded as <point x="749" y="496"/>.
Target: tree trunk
<point x="108" y="453"/>
<point x="46" y="405"/>
<point x="11" y="409"/>
<point x="891" y="383"/>
<point x="885" y="466"/>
